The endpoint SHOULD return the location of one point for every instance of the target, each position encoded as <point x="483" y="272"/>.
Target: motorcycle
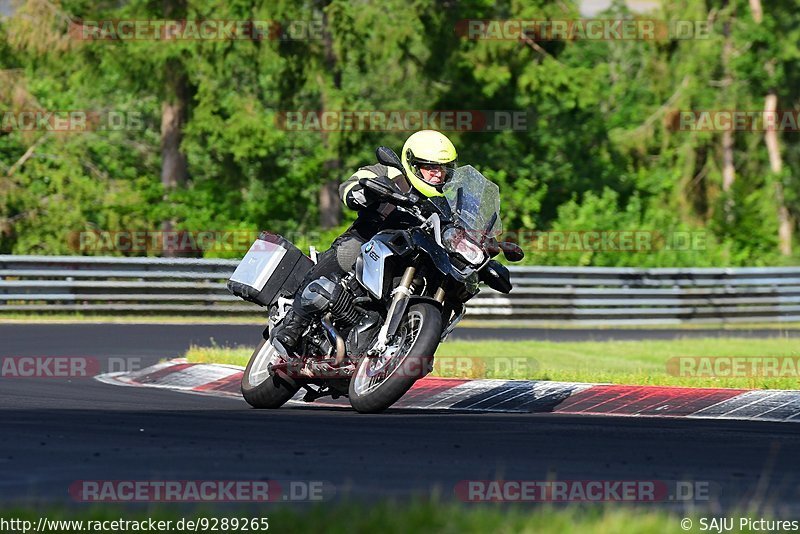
<point x="378" y="327"/>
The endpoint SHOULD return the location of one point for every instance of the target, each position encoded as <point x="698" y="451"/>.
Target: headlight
<point x="455" y="240"/>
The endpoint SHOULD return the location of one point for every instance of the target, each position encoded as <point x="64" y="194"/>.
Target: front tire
<point x="259" y="389"/>
<point x="380" y="382"/>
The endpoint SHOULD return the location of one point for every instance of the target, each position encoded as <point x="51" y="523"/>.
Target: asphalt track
<point x="57" y="431"/>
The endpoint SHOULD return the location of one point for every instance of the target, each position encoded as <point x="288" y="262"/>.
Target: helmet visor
<point x="435" y="174"/>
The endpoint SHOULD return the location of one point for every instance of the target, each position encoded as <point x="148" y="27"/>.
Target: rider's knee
<point x="346" y="253"/>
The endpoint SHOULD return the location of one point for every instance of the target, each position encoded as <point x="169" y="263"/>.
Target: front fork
<point x="400" y="297"/>
<point x="397" y="308"/>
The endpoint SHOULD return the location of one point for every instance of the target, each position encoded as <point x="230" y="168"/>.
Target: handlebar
<point x="385" y="191"/>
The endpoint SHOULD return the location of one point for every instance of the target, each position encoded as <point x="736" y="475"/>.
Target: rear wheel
<point x="259" y="389"/>
<point x="380" y="381"/>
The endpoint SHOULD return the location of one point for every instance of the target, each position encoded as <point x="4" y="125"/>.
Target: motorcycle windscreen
<point x="474" y="202"/>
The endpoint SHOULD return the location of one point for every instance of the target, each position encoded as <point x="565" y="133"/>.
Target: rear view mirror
<point x="386" y="156"/>
<point x="511" y="251"/>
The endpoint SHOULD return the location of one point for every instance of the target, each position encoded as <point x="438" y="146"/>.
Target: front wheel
<point x="259" y="388"/>
<point x="378" y="382"/>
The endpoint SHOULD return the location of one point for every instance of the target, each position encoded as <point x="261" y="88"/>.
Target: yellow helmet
<point x="432" y="148"/>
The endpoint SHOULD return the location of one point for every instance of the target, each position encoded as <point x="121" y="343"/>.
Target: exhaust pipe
<point x="334" y="337"/>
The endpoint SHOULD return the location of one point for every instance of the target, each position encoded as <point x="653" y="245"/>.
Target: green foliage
<point x="601" y="231"/>
<point x="601" y="151"/>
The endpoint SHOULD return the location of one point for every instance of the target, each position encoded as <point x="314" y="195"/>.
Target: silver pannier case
<point x="272" y="268"/>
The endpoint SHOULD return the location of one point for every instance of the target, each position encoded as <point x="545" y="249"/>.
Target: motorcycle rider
<point x="429" y="159"/>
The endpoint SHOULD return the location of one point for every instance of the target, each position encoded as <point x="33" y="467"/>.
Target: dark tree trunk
<point x="174" y="169"/>
<point x="330" y="208"/>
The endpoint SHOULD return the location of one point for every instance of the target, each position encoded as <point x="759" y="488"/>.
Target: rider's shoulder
<point x="379" y="169"/>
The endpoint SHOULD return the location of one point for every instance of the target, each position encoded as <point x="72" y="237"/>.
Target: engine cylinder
<point x="318" y="295"/>
<point x="324" y="295"/>
<point x="342" y="309"/>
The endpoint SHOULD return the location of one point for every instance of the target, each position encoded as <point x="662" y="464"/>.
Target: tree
<point x="174" y="113"/>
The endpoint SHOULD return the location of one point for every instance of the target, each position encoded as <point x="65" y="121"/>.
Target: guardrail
<point x="541" y="294"/>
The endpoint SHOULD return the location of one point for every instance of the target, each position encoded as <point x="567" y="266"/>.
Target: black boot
<point x="286" y="335"/>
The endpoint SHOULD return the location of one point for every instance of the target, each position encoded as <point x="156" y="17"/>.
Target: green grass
<point x="416" y="517"/>
<point x="233" y="356"/>
<point x="616" y="362"/>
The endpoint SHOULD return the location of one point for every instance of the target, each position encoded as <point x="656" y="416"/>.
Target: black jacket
<point x="375" y="215"/>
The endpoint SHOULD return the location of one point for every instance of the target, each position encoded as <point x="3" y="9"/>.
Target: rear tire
<point x="261" y="390"/>
<point x="416" y="362"/>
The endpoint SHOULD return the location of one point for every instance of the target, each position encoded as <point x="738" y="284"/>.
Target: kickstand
<point x="312" y="394"/>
